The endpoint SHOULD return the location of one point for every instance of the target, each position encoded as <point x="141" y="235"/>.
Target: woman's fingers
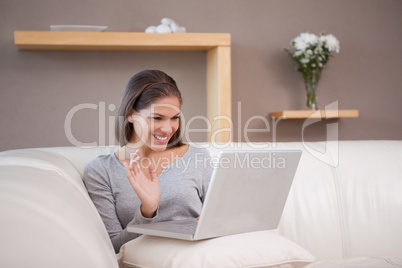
<point x="132" y="169"/>
<point x="134" y="157"/>
<point x="151" y="169"/>
<point x="136" y="175"/>
<point x="134" y="162"/>
<point x="129" y="173"/>
<point x="136" y="168"/>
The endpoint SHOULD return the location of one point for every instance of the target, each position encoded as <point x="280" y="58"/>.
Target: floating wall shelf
<point x="217" y="46"/>
<point x="304" y="114"/>
<point x="39" y="40"/>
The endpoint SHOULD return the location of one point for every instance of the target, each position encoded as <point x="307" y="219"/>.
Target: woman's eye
<point x="160" y="118"/>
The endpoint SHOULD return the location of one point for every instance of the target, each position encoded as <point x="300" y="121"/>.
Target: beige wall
<point x="38" y="89"/>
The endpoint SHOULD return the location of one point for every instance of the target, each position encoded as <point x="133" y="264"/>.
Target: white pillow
<point x="255" y="249"/>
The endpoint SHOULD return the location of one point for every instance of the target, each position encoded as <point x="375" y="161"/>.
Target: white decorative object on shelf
<point x="167" y="26"/>
<point x="77" y="28"/>
<point x="163" y="29"/>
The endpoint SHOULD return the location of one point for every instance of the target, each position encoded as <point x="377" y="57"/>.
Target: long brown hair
<point x="143" y="89"/>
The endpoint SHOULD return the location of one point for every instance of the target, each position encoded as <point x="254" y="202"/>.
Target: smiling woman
<point x="157" y="124"/>
<point x="139" y="183"/>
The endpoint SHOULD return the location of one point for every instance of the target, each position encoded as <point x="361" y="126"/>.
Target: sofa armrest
<point x="46" y="222"/>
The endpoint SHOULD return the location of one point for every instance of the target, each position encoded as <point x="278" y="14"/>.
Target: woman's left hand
<point x="147" y="189"/>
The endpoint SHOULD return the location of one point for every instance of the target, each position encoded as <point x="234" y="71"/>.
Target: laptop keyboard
<point x="180" y="227"/>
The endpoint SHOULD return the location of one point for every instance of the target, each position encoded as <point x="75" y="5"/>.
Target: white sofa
<point x="345" y="206"/>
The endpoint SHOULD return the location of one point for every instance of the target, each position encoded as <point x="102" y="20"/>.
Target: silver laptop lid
<point x="247" y="192"/>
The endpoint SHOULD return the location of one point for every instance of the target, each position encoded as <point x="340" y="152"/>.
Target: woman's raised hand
<point x="147" y="189"/>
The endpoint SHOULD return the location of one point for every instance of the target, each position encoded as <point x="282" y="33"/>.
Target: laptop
<point x="247" y="192"/>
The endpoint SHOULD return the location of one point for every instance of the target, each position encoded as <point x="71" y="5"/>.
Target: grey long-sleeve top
<point x="184" y="184"/>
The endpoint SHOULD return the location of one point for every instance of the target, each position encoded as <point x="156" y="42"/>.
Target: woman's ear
<point x="130" y="117"/>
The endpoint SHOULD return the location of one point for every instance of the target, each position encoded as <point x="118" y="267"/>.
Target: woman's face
<point x="156" y="124"/>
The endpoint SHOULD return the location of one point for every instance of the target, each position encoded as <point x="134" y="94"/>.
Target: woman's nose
<point x="167" y="127"/>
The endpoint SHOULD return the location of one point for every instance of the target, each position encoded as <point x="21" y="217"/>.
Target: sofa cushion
<point x="370" y="184"/>
<point x="361" y="262"/>
<point x="255" y="249"/>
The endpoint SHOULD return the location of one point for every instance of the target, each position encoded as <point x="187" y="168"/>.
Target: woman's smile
<point x="161" y="138"/>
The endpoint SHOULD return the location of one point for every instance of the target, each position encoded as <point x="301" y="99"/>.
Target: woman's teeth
<point x="160" y="138"/>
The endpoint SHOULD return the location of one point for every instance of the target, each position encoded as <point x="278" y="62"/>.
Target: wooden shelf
<point x="218" y="56"/>
<point x="44" y="40"/>
<point x="304" y="114"/>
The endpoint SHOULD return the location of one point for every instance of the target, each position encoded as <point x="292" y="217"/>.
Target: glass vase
<point x="311" y="87"/>
<point x="311" y="101"/>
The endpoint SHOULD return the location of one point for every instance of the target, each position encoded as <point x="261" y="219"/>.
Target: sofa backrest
<point x="345" y="200"/>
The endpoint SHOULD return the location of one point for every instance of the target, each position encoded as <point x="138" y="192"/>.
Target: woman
<point x="153" y="176"/>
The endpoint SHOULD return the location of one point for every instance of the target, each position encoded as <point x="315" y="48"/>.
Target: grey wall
<point x="38" y="89"/>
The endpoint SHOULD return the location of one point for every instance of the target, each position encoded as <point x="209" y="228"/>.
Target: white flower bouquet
<point x="312" y="52"/>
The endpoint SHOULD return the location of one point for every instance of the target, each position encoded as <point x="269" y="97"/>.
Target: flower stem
<point x="311" y="78"/>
